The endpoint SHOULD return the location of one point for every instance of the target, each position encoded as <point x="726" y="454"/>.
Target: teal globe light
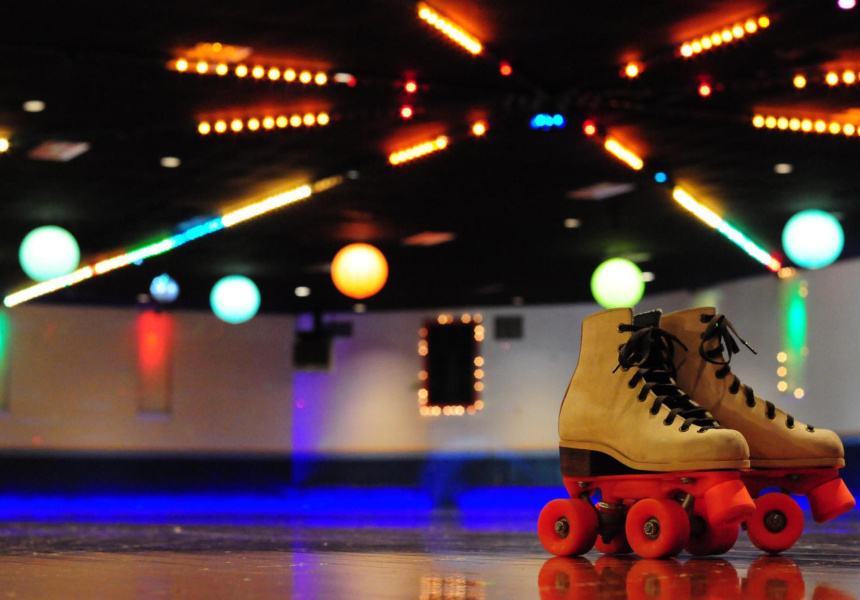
<point x="813" y="239"/>
<point x="617" y="282"/>
<point x="235" y="299"/>
<point x="48" y="252"/>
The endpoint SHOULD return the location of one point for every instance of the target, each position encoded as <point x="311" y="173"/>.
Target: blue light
<point x="546" y="122"/>
<point x="235" y="299"/>
<point x="164" y="289"/>
<point x="813" y="239"/>
<point x="660" y="177"/>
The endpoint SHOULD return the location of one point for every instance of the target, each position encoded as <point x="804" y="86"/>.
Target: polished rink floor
<point x="421" y="555"/>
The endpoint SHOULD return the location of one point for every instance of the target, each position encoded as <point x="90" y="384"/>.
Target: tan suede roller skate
<point x="667" y="472"/>
<point x="784" y="453"/>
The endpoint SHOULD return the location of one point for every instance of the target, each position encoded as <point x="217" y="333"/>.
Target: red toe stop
<point x="829" y="500"/>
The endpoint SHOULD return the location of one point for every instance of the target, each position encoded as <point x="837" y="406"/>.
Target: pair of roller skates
<point x="657" y="429"/>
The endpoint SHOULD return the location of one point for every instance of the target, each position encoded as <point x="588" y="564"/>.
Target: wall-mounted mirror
<point x="452" y="374"/>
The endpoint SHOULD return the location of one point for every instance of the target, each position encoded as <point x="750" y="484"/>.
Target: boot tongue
<point x="648" y="319"/>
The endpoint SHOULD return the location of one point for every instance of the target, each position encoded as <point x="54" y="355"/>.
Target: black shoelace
<point x="650" y="351"/>
<point x="721" y="328"/>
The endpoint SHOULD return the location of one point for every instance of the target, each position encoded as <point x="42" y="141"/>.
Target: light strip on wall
<point x="121" y="260"/>
<point x="456" y="33"/>
<point x="712" y="219"/>
<point x="833" y="126"/>
<point x="623" y="154"/>
<point x="723" y="36"/>
<point x="402" y="156"/>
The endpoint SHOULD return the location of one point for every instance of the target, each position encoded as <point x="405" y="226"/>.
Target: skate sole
<point x="795" y="463"/>
<point x="587" y="459"/>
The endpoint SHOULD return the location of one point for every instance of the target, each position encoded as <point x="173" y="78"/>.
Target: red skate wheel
<point x="657" y="528"/>
<point x="713" y="540"/>
<point x="563" y="578"/>
<point x="567" y="527"/>
<point x="657" y="580"/>
<point x="728" y="503"/>
<point x="618" y="544"/>
<point x="829" y="500"/>
<point x="776" y="524"/>
<point x="771" y="575"/>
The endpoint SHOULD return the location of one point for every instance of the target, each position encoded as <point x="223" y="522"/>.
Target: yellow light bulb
<point x="706" y="43"/>
<point x="253" y="124"/>
<point x="799" y="81"/>
<point x="750" y="26"/>
<point x="274" y="73"/>
<point x="781" y="357"/>
<point x="782" y="123"/>
<point x="798" y="393"/>
<point x="321" y="79"/>
<point x="727" y="35"/>
<point x="258" y="72"/>
<point x="479" y="129"/>
<point x="309" y="120"/>
<point x="782" y="371"/>
<point x="220" y="126"/>
<point x="282" y="121"/>
<point x="686" y="50"/>
<point x="849" y="77"/>
<point x="794" y="124"/>
<point x="738" y="31"/>
<point x="848" y="129"/>
<point x="835" y="127"/>
<point x="204" y="128"/>
<point x="806" y="125"/>
<point x="820" y="126"/>
<point x="268" y="122"/>
<point x="697" y="47"/>
<point x="323" y="119"/>
<point x="289" y="75"/>
<point x="831" y="78"/>
<point x="236" y="125"/>
<point x="181" y="65"/>
<point x="716" y="39"/>
<point x="4" y="144"/>
<point x="296" y="121"/>
<point x="202" y="67"/>
<point x="758" y="121"/>
<point x="241" y="71"/>
<point x="632" y="70"/>
<point x="782" y="386"/>
<point x="305" y="77"/>
<point x="763" y="22"/>
<point x="770" y="122"/>
<point x="221" y="69"/>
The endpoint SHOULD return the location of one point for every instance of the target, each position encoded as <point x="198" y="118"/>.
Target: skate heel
<point x="576" y="462"/>
<point x="829" y="500"/>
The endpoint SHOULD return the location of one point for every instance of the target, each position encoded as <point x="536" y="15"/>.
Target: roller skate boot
<point x="667" y="473"/>
<point x="784" y="453"/>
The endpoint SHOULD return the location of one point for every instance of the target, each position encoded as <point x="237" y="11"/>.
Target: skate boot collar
<point x="648" y="319"/>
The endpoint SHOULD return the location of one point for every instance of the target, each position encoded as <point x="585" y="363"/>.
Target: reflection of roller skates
<point x="784" y="453"/>
<point x="665" y="469"/>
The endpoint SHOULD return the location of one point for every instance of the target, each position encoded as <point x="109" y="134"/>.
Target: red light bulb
<point x="505" y="68"/>
<point x="704" y="90"/>
<point x="589" y="128"/>
<point x="406" y="112"/>
<point x="411" y="87"/>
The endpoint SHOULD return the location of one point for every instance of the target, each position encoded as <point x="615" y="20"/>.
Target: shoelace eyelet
<point x="684" y="429"/>
<point x="631" y="385"/>
<point x="652" y="411"/>
<point x="791" y="426"/>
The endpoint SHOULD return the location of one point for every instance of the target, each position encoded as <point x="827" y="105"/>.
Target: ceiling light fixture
<point x="303" y="291"/>
<point x="832" y="125"/>
<point x="417" y="151"/>
<point x="4" y="144"/>
<point x="632" y="70"/>
<point x="479" y="129"/>
<point x="272" y="72"/>
<point x="170" y="162"/>
<point x="623" y="154"/>
<point x="725" y="35"/>
<point x="167" y="244"/>
<point x="266" y="123"/>
<point x="456" y="33"/>
<point x="783" y="168"/>
<point x="34" y="106"/>
<point x="710" y="218"/>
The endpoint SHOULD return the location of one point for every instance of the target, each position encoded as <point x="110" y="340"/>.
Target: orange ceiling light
<point x="264" y="123"/>
<point x="623" y="154"/>
<point x="479" y="128"/>
<point x="417" y="151"/>
<point x="833" y="125"/>
<point x="242" y="71"/>
<point x="726" y="35"/>
<point x="454" y="32"/>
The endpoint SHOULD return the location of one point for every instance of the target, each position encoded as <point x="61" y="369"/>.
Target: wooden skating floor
<point x="421" y="555"/>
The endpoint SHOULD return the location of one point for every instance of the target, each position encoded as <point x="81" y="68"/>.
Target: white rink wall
<point x="72" y="377"/>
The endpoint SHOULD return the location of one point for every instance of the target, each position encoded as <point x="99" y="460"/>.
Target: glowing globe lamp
<point x="359" y="271"/>
<point x="813" y="239"/>
<point x="48" y="252"/>
<point x="164" y="289"/>
<point x="617" y="282"/>
<point x="235" y="299"/>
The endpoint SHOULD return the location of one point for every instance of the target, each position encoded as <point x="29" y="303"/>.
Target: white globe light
<point x="616" y="283"/>
<point x="164" y="289"/>
<point x="48" y="252"/>
<point x="813" y="239"/>
<point x="235" y="299"/>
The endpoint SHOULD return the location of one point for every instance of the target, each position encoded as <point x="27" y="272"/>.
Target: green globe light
<point x="813" y="239"/>
<point x="48" y="252"/>
<point x="235" y="299"/>
<point x="617" y="282"/>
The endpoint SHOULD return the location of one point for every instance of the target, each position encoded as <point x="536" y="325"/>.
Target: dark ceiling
<point x="101" y="69"/>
